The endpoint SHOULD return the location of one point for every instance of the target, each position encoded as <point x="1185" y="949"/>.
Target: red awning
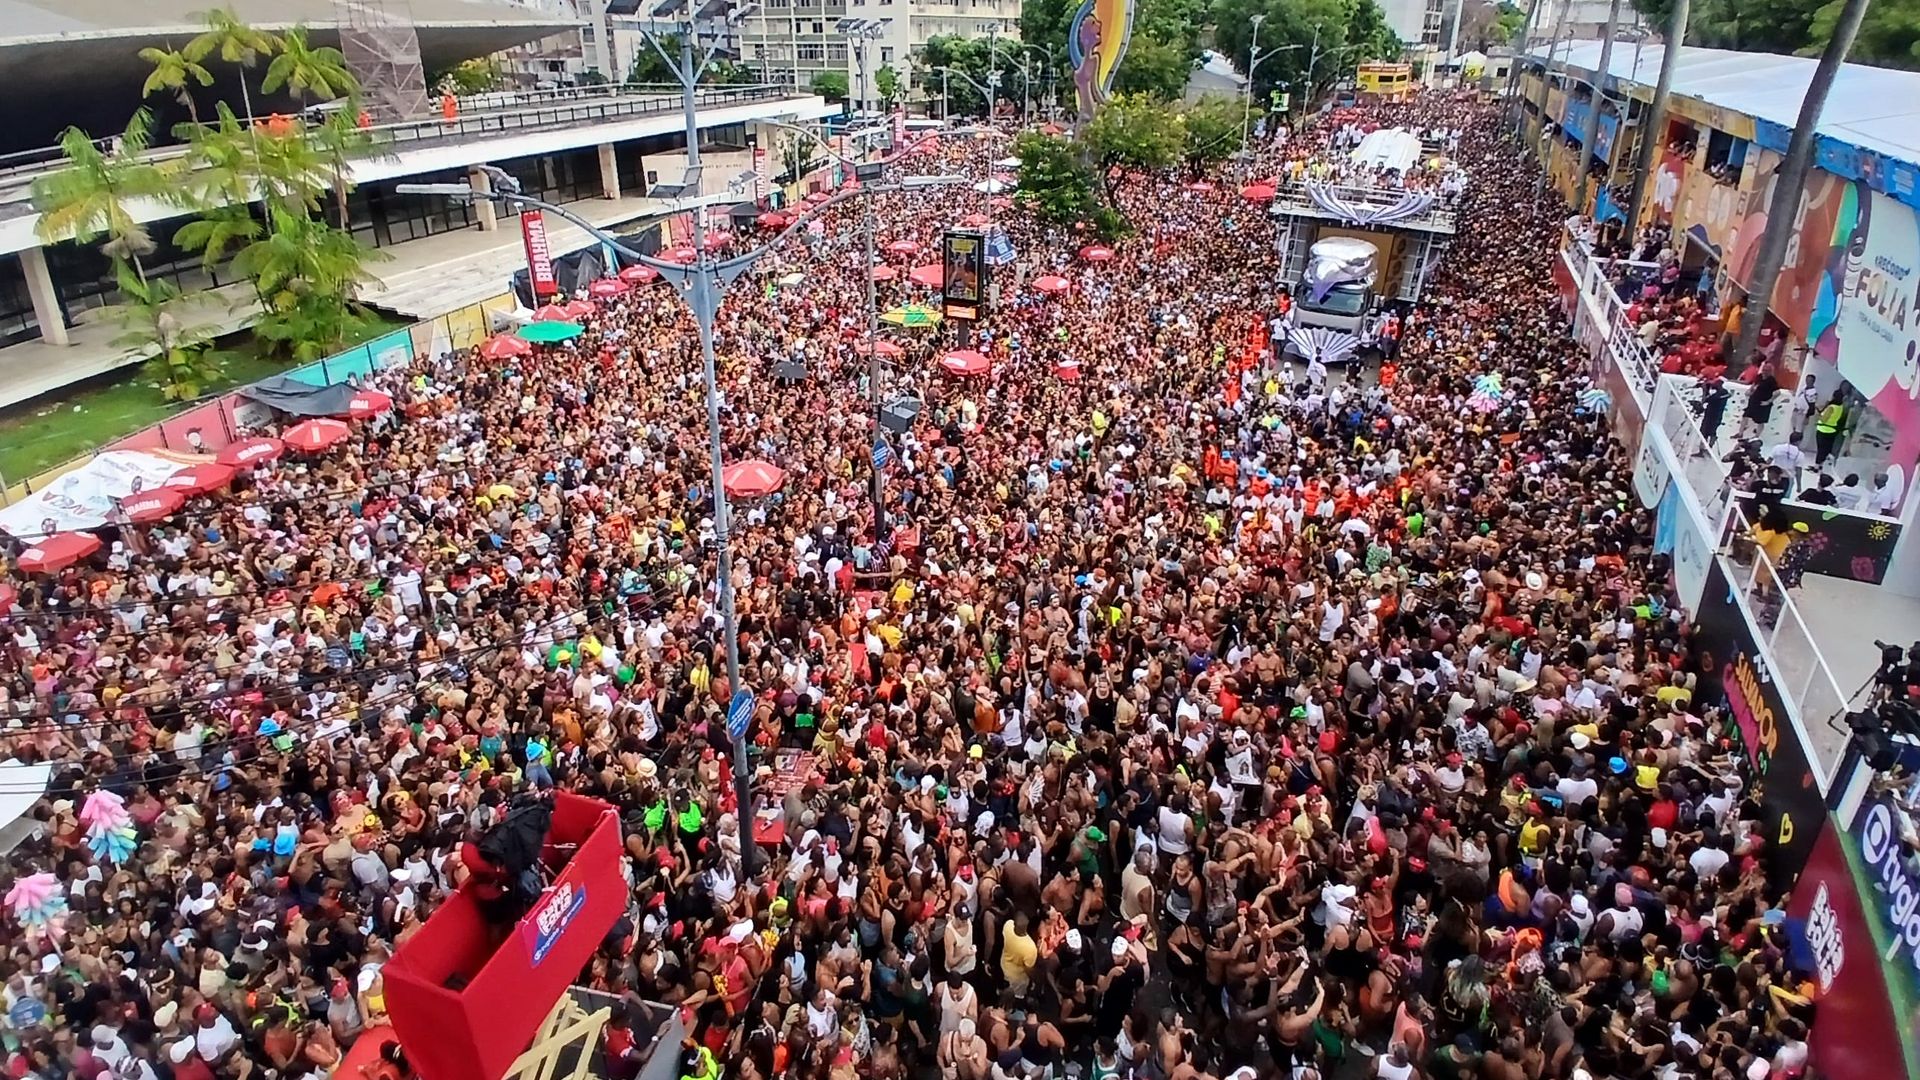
<point x="200" y="479"/>
<point x="1051" y="283"/>
<point x="250" y="452"/>
<point x="153" y="505"/>
<point x="367" y="404"/>
<point x="313" y="436"/>
<point x="504" y="347"/>
<point x="966" y="362"/>
<point x="57" y="552"/>
<point x="932" y="275"/>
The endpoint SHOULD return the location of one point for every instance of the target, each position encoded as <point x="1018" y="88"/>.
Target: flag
<point x="883" y="548"/>
<point x="882" y="454"/>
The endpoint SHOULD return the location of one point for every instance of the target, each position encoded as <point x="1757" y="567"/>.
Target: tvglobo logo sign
<point x="1884" y="854"/>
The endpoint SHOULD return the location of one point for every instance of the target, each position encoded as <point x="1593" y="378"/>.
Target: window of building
<point x="886" y="54"/>
<point x="586" y="34"/>
<point x="17" y="321"/>
<point x="812" y="51"/>
<point x="819" y="27"/>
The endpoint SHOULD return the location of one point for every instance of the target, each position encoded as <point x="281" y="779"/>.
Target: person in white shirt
<point x="1888" y="489"/>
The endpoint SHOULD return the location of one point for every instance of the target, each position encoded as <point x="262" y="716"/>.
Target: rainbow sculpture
<point x="1096" y="40"/>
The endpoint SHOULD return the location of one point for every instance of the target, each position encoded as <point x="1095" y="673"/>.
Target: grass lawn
<point x="37" y="435"/>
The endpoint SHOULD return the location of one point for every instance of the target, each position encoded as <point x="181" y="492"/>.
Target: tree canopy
<point x="1889" y="36"/>
<point x="1349" y="32"/>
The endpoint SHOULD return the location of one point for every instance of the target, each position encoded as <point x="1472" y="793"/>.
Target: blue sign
<point x="739" y="714"/>
<point x="882" y="454"/>
<point x="542" y="929"/>
<point x="999" y="248"/>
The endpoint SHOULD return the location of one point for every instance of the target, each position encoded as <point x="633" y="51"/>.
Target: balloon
<point x="103" y="808"/>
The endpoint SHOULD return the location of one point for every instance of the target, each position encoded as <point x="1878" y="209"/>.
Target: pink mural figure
<point x="1086" y="75"/>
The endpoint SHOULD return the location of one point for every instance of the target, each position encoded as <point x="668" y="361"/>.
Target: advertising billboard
<point x="1855" y="1030"/>
<point x="1759" y="723"/>
<point x="964" y="285"/>
<point x="533" y="233"/>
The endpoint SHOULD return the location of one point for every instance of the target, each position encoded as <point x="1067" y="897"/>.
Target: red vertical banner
<point x="533" y="231"/>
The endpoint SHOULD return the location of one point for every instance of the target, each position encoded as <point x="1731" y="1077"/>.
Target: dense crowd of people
<point x="1175" y="720"/>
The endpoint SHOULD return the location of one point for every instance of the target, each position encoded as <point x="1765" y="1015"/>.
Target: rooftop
<point x="1872" y="108"/>
<point x="85" y="53"/>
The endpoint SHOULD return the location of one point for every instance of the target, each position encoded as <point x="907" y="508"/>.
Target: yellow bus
<point x="1390" y="81"/>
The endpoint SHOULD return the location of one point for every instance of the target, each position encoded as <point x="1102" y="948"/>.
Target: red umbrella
<point x="247" y="453"/>
<point x="1096" y="253"/>
<point x="884" y="348"/>
<point x="577" y="308"/>
<point x="682" y="254"/>
<point x="752" y="479"/>
<point x="150" y="506"/>
<point x="1257" y="192"/>
<point x="718" y="238"/>
<point x="1200" y="185"/>
<point x="1051" y="284"/>
<point x="903" y="247"/>
<point x="608" y="288"/>
<point x="57" y="552"/>
<point x="313" y="436"/>
<point x="885" y="273"/>
<point x="818" y="197"/>
<point x="200" y="479"/>
<point x="639" y="275"/>
<point x="504" y="347"/>
<point x="1000" y="202"/>
<point x="931" y="275"/>
<point x="552" y="313"/>
<point x="773" y="219"/>
<point x="850" y="185"/>
<point x="974" y="221"/>
<point x="1067" y="371"/>
<point x="366" y="404"/>
<point x="966" y="362"/>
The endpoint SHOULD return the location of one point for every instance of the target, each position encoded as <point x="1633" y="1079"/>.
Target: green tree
<point x="591" y="77"/>
<point x="235" y="43"/>
<point x="476" y="76"/>
<point x="339" y="140"/>
<point x="831" y="85"/>
<point x="1057" y="185"/>
<point x="177" y="355"/>
<point x="1212" y="129"/>
<point x="306" y="274"/>
<point x="1508" y="21"/>
<point x="1301" y="39"/>
<point x="172" y="71"/>
<point x="1133" y="131"/>
<point x="93" y="195"/>
<point x="308" y="71"/>
<point x="1153" y="67"/>
<point x="969" y="57"/>
<point x="888" y="84"/>
<point x="1889" y="35"/>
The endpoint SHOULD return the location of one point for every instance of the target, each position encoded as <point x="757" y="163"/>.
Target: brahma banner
<point x="533" y="232"/>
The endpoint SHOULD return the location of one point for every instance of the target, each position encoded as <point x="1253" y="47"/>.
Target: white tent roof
<point x="1872" y="108"/>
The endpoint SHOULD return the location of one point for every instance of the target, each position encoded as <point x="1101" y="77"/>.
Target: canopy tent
<point x="1317" y="342"/>
<point x="296" y="398"/>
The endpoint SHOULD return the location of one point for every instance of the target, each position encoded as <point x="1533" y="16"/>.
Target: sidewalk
<point x="425" y="278"/>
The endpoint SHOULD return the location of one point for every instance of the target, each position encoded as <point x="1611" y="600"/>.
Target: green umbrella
<point x="912" y="315"/>
<point x="546" y="333"/>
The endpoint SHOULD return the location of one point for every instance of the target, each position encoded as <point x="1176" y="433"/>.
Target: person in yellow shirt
<point x="1018" y="954"/>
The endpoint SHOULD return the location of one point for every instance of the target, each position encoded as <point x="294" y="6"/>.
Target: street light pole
<point x="1253" y="61"/>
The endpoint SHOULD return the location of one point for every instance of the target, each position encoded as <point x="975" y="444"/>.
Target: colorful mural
<point x="1096" y="41"/>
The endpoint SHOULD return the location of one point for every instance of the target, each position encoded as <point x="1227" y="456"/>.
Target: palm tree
<point x="176" y="354"/>
<point x="92" y="196"/>
<point x="340" y="140"/>
<point x="1653" y="124"/>
<point x="173" y="71"/>
<point x="236" y="43"/>
<point x="308" y="70"/>
<point x="1791" y="181"/>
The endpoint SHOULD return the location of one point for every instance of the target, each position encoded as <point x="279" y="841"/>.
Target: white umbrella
<point x="1007" y="163"/>
<point x="21" y="785"/>
<point x="992" y="187"/>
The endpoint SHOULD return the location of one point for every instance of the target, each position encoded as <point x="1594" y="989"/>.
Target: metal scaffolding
<point x="383" y="52"/>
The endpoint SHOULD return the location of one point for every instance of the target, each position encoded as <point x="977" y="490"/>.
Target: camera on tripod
<point x="1896" y="667"/>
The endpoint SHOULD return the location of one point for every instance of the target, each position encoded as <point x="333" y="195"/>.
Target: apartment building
<point x="794" y="40"/>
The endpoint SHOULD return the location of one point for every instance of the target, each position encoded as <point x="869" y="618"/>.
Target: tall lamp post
<point x="1254" y="57"/>
<point x="703" y="284"/>
<point x="859" y="32"/>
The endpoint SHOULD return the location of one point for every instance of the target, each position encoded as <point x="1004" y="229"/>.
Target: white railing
<point x="1623" y="338"/>
<point x="1675" y="399"/>
<point x="1794" y="660"/>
